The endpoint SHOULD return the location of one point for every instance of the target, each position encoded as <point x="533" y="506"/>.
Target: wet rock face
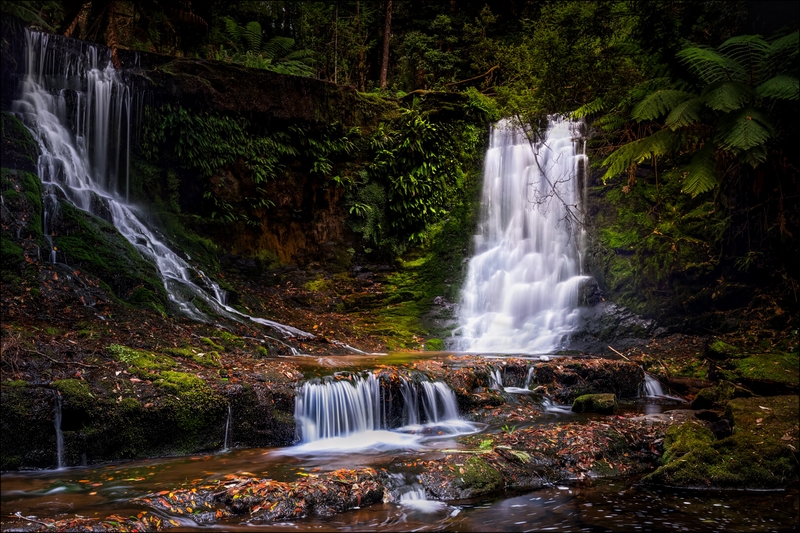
<point x="608" y="323"/>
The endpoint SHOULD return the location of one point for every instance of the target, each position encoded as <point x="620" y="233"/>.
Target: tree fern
<point x="780" y="87"/>
<point x="749" y="51"/>
<point x="782" y="53"/>
<point x="699" y="175"/>
<point x="686" y="113"/>
<point x="711" y="66"/>
<point x="743" y="130"/>
<point x="658" y="104"/>
<point x="727" y="96"/>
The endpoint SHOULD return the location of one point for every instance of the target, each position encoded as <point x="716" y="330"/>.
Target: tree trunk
<point x="387" y="31"/>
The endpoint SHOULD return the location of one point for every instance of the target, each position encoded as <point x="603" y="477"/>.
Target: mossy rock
<point x="434" y="345"/>
<point x="95" y="246"/>
<point x="479" y="477"/>
<point x="760" y="454"/>
<point x="19" y="149"/>
<point x="719" y="396"/>
<point x="596" y="403"/>
<point x="765" y="373"/>
<point x="721" y="350"/>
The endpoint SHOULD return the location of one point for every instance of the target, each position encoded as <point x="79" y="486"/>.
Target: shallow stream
<point x="590" y="505"/>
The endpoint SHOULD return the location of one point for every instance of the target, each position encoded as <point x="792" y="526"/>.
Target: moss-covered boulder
<point x="768" y="373"/>
<point x="761" y="453"/>
<point x="717" y="397"/>
<point x="718" y="349"/>
<point x="595" y="403"/>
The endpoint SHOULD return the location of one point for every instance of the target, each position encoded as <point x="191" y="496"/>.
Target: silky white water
<point x="349" y="414"/>
<point x="81" y="112"/>
<point x="521" y="290"/>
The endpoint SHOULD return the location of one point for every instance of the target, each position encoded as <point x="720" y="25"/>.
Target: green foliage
<point x="731" y="115"/>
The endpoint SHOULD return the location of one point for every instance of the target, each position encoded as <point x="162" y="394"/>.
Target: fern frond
<point x="252" y="35"/>
<point x="782" y="53"/>
<point x="610" y="122"/>
<point x="589" y="108"/>
<point x="750" y="51"/>
<point x="780" y="87"/>
<point x="660" y="143"/>
<point x="277" y="47"/>
<point x="743" y="130"/>
<point x="232" y="29"/>
<point x="727" y="96"/>
<point x="712" y="66"/>
<point x="754" y="156"/>
<point x="699" y="175"/>
<point x="685" y="113"/>
<point x="658" y="103"/>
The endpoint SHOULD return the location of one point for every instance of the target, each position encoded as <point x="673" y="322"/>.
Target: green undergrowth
<point x="201" y="357"/>
<point x="783" y="368"/>
<point x="655" y="243"/>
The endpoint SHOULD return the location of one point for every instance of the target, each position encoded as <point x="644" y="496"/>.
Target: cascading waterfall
<point x="352" y="412"/>
<point x="521" y="291"/>
<point x="227" y="430"/>
<point x="80" y="110"/>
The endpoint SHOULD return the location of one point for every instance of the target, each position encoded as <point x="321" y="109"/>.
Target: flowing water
<point x="82" y="112"/>
<point x="521" y="297"/>
<point x="521" y="290"/>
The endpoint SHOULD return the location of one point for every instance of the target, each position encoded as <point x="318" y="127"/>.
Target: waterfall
<point x="341" y="414"/>
<point x="59" y="434"/>
<point x="521" y="291"/>
<point x="80" y="110"/>
<point x="651" y="386"/>
<point x="227" y="430"/>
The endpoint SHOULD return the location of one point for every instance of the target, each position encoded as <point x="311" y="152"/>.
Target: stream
<point x="589" y="505"/>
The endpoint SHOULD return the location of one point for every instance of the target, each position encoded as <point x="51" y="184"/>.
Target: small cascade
<point x="438" y="402"/>
<point x="651" y="387"/>
<point x="496" y="381"/>
<point x="338" y="408"/>
<point x="551" y="407"/>
<point x="227" y="430"/>
<point x="59" y="434"/>
<point x="340" y="414"/>
<point x="521" y="290"/>
<point x="414" y="497"/>
<point x="81" y="111"/>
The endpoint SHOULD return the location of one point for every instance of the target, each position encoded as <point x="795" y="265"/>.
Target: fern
<point x="233" y="30"/>
<point x="754" y="156"/>
<point x="685" y="113"/>
<point x="252" y="35"/>
<point x="782" y="53"/>
<point x="699" y="175"/>
<point x="727" y="96"/>
<point x="660" y="143"/>
<point x="780" y="87"/>
<point x="277" y="47"/>
<point x="712" y="66"/>
<point x="590" y="108"/>
<point x="743" y="130"/>
<point x="748" y="51"/>
<point x="658" y="104"/>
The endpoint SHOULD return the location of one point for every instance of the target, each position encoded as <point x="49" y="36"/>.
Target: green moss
<point x="213" y="344"/>
<point x="434" y="345"/>
<point x="96" y="246"/>
<point x="761" y="452"/>
<point x="229" y="339"/>
<point x="781" y="368"/>
<point x="320" y="284"/>
<point x="721" y="350"/>
<point x="478" y="475"/>
<point x="16" y="383"/>
<point x="211" y="359"/>
<point x="595" y="403"/>
<point x="19" y="148"/>
<point x="141" y="362"/>
<point x="12" y="259"/>
<point x="180" y="382"/>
